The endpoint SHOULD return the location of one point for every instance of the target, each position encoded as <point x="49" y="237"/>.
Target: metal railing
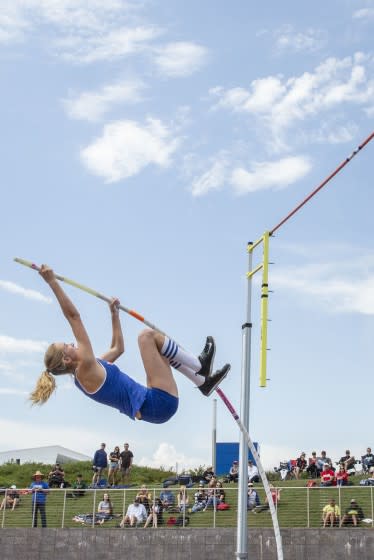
<point x="297" y="507"/>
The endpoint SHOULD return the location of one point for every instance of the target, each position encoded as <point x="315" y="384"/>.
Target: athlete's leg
<point x="157" y="367"/>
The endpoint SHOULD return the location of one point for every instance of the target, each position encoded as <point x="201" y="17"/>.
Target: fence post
<point x="308" y="506"/>
<point x="63" y="510"/>
<point x="3" y="521"/>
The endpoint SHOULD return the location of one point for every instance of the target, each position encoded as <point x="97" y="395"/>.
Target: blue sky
<point x="143" y="145"/>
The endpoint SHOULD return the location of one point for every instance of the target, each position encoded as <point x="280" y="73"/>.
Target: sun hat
<point x="38" y="473"/>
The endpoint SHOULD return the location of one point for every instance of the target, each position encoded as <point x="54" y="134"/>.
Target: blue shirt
<point x="118" y="391"/>
<point x="39" y="497"/>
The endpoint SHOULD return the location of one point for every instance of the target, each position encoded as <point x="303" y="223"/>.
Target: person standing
<point x="99" y="463"/>
<point x="39" y="489"/>
<point x="126" y="459"/>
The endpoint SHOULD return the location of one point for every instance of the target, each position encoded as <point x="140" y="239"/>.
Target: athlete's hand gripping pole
<point x="84" y="288"/>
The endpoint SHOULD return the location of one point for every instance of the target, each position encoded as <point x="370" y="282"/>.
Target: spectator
<point x="341" y="476"/>
<point x="145" y="497"/>
<point x="313" y="469"/>
<point x="182" y="499"/>
<point x="327" y="476"/>
<point x="368" y="461"/>
<point x="104" y="509"/>
<point x="347" y="460"/>
<point x="56" y="477"/>
<point x="252" y="472"/>
<point x="39" y="489"/>
<point x="322" y="460"/>
<point x="353" y="515"/>
<point x="136" y="513"/>
<point x="11" y="499"/>
<point x="79" y="487"/>
<point x="167" y="498"/>
<point x="208" y="474"/>
<point x="212" y="500"/>
<point x="331" y="514"/>
<point x="114" y="457"/>
<point x="253" y="499"/>
<point x="233" y="472"/>
<point x="155" y="514"/>
<point x="275" y="496"/>
<point x="99" y="464"/>
<point x="201" y="498"/>
<point x="300" y="465"/>
<point x="126" y="463"/>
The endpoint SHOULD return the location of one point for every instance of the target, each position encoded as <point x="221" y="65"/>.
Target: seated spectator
<point x="341" y="476"/>
<point x="208" y="474"/>
<point x="11" y="499"/>
<point x="253" y="499"/>
<point x="327" y="476"/>
<point x="367" y="461"/>
<point x="353" y="515"/>
<point x="313" y="469"/>
<point x="322" y="460"/>
<point x="200" y="497"/>
<point x="155" y="515"/>
<point x="233" y="472"/>
<point x="56" y="477"/>
<point x="275" y="496"/>
<point x="145" y="497"/>
<point x="167" y="499"/>
<point x="182" y="498"/>
<point x="347" y="460"/>
<point x="331" y="514"/>
<point x="105" y="508"/>
<point x="136" y="514"/>
<point x="213" y="493"/>
<point x="300" y="465"/>
<point x="252" y="472"/>
<point x="79" y="487"/>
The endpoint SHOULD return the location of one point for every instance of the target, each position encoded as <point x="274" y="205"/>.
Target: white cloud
<point x="213" y="179"/>
<point x="311" y="40"/>
<point x="334" y="134"/>
<point x="111" y="45"/>
<point x="340" y="286"/>
<point x="280" y="103"/>
<point x="168" y="457"/>
<point x="19" y="290"/>
<point x="93" y="105"/>
<point x="81" y="31"/>
<point x="20" y="346"/>
<point x="126" y="147"/>
<point x="16" y="392"/>
<point x="180" y="58"/>
<point x="270" y="175"/>
<point x="366" y="14"/>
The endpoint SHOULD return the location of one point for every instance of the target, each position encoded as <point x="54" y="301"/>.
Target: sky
<point x="143" y="144"/>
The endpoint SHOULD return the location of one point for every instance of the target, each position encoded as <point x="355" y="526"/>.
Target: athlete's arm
<point x="72" y="315"/>
<point x="117" y="346"/>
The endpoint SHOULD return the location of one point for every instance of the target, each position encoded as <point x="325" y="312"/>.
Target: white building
<point x="47" y="455"/>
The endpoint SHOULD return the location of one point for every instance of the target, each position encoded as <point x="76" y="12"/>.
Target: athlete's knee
<point x="146" y="337"/>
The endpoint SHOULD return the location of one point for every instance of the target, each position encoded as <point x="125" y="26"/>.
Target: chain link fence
<point x="296" y="507"/>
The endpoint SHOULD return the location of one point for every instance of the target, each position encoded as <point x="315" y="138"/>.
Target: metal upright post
<point x="242" y="528"/>
<point x="214" y="437"/>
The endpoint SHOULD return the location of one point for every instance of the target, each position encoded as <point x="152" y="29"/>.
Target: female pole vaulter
<point x="102" y="381"/>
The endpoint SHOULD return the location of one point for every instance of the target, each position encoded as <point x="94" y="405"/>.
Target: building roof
<point x="46" y="455"/>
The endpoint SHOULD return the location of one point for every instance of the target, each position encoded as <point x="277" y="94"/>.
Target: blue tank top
<point x="118" y="391"/>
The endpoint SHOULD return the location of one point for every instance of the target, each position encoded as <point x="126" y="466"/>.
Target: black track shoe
<point x="211" y="383"/>
<point x="206" y="357"/>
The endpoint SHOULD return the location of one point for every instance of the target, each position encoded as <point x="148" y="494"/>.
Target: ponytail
<point x="44" y="388"/>
<point x="46" y="384"/>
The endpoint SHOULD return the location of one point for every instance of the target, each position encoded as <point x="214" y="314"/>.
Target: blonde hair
<point x="46" y="384"/>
